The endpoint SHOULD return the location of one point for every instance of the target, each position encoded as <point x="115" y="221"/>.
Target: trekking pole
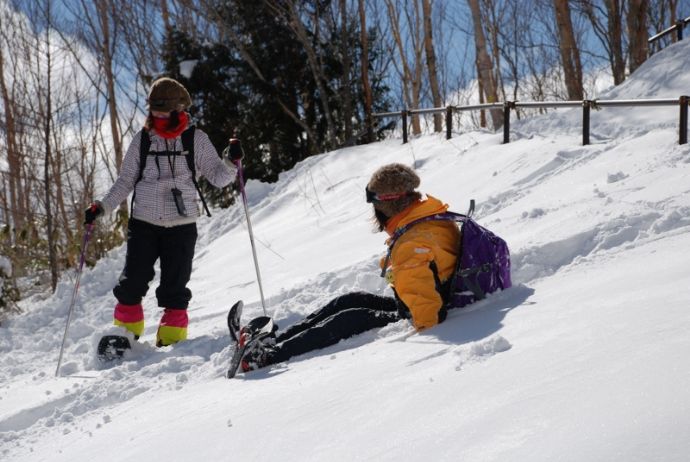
<point x="87" y="236"/>
<point x="249" y="226"/>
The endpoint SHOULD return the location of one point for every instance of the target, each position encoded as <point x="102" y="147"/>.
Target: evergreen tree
<point x="255" y="83"/>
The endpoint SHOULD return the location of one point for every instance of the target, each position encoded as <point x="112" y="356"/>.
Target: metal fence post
<point x="506" y="121"/>
<point x="449" y="122"/>
<point x="586" y="106"/>
<point x="683" y="129"/>
<point x="404" y="125"/>
<point x="679" y="29"/>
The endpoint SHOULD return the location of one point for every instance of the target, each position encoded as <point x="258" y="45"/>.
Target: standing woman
<point x="157" y="170"/>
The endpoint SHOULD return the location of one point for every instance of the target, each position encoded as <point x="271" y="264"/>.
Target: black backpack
<point x="188" y="153"/>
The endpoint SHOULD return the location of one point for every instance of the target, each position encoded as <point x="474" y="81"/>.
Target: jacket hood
<point x="419" y="209"/>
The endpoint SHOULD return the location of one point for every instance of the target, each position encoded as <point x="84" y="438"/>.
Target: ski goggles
<point x="373" y="197"/>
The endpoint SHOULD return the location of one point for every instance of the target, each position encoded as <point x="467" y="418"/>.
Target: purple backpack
<point x="483" y="264"/>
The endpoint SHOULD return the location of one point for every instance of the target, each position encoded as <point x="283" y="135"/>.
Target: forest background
<point x="291" y="78"/>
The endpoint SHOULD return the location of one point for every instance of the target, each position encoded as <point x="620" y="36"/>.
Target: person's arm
<point x="129" y="173"/>
<point x="415" y="283"/>
<point x="211" y="166"/>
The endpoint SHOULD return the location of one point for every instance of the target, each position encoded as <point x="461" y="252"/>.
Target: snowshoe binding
<point x="253" y="340"/>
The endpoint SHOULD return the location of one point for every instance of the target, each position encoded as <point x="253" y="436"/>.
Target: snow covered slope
<point x="586" y="358"/>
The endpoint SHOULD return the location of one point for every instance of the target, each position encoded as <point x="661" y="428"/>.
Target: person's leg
<point x="341" y="303"/>
<point x="142" y="253"/>
<point x="177" y="252"/>
<point x="339" y="326"/>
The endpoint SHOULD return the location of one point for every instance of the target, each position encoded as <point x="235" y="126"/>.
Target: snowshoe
<point x="234" y="316"/>
<point x="251" y="335"/>
<point x="112" y="347"/>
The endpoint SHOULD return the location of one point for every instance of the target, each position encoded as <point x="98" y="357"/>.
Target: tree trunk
<point x="165" y="15"/>
<point x="637" y="33"/>
<point x="482" y="112"/>
<point x="52" y="257"/>
<point x="13" y="161"/>
<point x="57" y="175"/>
<point x="431" y="63"/>
<point x="106" y="53"/>
<point x="366" y="86"/>
<point x="662" y="13"/>
<point x="570" y="53"/>
<point x="346" y="88"/>
<point x="411" y="76"/>
<point x="615" y="30"/>
<point x="610" y="35"/>
<point x="484" y="65"/>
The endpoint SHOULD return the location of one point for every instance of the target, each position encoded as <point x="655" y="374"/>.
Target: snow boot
<point x="173" y="327"/>
<point x="130" y="317"/>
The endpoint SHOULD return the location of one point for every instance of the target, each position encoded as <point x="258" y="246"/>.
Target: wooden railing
<point x="677" y="28"/>
<point x="506" y="107"/>
<point x="586" y="105"/>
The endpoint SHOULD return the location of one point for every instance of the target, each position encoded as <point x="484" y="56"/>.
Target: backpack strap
<point x="468" y="276"/>
<point x="144" y="148"/>
<point x="188" y="152"/>
<point x="188" y="145"/>
<point x="446" y="216"/>
<point x="458" y="271"/>
<point x="470" y="211"/>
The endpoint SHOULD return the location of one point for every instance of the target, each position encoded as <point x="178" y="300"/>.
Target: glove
<point x="94" y="211"/>
<point x="234" y="150"/>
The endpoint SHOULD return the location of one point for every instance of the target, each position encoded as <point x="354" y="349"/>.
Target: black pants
<point x="146" y="243"/>
<point x="341" y="318"/>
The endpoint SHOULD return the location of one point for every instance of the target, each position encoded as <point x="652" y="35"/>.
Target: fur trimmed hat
<point x="167" y="95"/>
<point x="394" y="179"/>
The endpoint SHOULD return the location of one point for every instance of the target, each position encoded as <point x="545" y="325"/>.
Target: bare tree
<point x="431" y="63"/>
<point x="510" y="41"/>
<point x="16" y="211"/>
<point x="105" y="49"/>
<point x="570" y="53"/>
<point x="140" y="36"/>
<point x="54" y="272"/>
<point x="345" y="87"/>
<point x="96" y="26"/>
<point x="637" y="33"/>
<point x="493" y="14"/>
<point x="662" y="14"/>
<point x="17" y="49"/>
<point x="43" y="89"/>
<point x="42" y="75"/>
<point x="485" y="67"/>
<point x="165" y="15"/>
<point x="411" y="67"/>
<point x="364" y="71"/>
<point x="606" y="19"/>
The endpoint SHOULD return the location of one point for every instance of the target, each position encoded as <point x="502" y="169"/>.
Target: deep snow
<point x="585" y="359"/>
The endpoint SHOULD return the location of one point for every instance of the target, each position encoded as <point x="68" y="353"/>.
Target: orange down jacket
<point x="423" y="249"/>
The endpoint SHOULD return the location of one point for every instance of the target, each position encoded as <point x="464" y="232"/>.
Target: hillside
<point x="584" y="359"/>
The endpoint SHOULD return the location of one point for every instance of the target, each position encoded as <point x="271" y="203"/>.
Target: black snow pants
<point x="146" y="243"/>
<point x="341" y="318"/>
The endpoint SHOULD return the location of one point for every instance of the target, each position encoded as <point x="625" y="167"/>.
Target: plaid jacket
<point x="153" y="202"/>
